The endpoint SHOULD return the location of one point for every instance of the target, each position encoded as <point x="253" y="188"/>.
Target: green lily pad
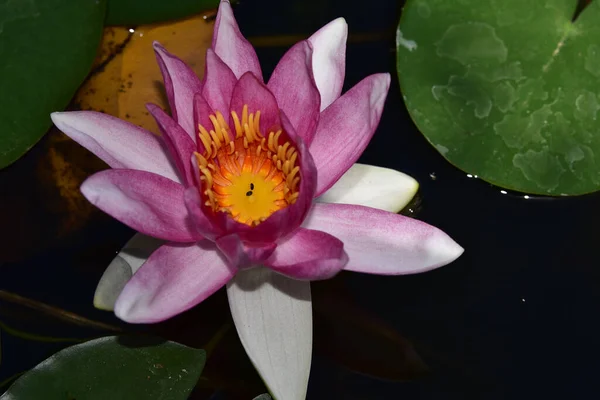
<point x="507" y="90"/>
<point x="116" y="368"/>
<point x="134" y="12"/>
<point x="46" y="50"/>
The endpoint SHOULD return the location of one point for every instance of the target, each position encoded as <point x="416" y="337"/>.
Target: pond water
<point x="513" y="318"/>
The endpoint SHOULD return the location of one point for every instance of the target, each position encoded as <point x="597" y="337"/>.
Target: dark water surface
<point x="514" y="317"/>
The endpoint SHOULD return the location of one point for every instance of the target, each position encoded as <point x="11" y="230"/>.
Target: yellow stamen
<point x="257" y="123"/>
<point x="245" y="114"/>
<point x="246" y="174"/>
<point x="236" y="122"/>
<point x="215" y="139"/>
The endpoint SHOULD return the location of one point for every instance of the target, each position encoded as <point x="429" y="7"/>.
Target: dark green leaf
<point x="113" y="368"/>
<point x="46" y="50"/>
<point x="507" y="90"/>
<point x="135" y="12"/>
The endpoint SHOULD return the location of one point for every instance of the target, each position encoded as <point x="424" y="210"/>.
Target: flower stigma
<point x="245" y="173"/>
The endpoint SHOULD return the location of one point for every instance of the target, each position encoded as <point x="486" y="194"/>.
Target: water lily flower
<point x="249" y="174"/>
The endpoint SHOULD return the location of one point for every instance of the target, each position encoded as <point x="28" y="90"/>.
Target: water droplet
<point x="410" y="45"/>
<point x="442" y="149"/>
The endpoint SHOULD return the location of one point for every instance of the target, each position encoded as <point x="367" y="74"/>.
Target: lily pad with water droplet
<point x="508" y="90"/>
<point x="132" y="368"/>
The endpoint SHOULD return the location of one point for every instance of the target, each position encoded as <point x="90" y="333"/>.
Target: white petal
<point x="329" y="59"/>
<point x="273" y="317"/>
<point x="131" y="257"/>
<point x="376" y="187"/>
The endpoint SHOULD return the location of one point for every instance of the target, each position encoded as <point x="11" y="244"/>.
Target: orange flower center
<point x="246" y="174"/>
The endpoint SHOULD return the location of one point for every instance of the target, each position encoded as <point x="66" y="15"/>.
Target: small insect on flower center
<point x="245" y="173"/>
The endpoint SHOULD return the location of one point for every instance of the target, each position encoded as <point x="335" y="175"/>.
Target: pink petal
<point x="346" y="127"/>
<point x="148" y="203"/>
<point x="329" y="59"/>
<point x="174" y="279"/>
<point x="233" y="48"/>
<point x="219" y="82"/>
<point x="255" y="94"/>
<point x="287" y="220"/>
<point x="177" y="140"/>
<point x="308" y="254"/>
<point x="118" y="143"/>
<point x="181" y="83"/>
<point x="298" y="211"/>
<point x="233" y="249"/>
<point x="198" y="214"/>
<point x="242" y="255"/>
<point x="380" y="242"/>
<point x="294" y="87"/>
